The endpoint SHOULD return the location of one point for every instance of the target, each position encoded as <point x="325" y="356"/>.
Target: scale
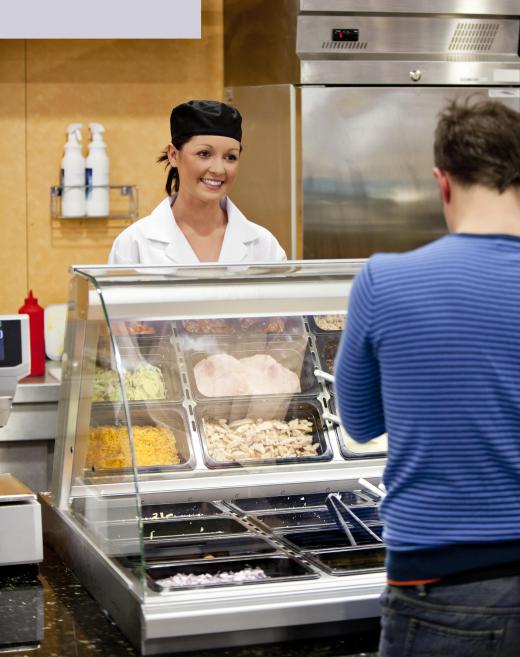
<point x="20" y="513"/>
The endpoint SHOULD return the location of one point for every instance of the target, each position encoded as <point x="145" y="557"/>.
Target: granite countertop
<point x="45" y="612"/>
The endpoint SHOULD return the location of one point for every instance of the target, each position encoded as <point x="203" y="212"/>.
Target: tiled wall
<point x="130" y="87"/>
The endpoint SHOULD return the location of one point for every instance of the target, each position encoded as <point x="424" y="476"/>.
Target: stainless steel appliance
<point x="164" y="486"/>
<point x="340" y="99"/>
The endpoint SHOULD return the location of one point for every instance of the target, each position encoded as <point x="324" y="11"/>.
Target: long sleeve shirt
<point x="431" y="354"/>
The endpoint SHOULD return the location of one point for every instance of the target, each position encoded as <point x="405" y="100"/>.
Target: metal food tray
<point x="286" y="409"/>
<point x="146" y="414"/>
<point x="350" y="561"/>
<point x="277" y="568"/>
<point x="320" y="516"/>
<point x="211" y="547"/>
<point x="349" y="448"/>
<point x="283" y="502"/>
<point x="317" y="329"/>
<point x="171" y="511"/>
<point x="324" y="538"/>
<point x="324" y="342"/>
<point x="295" y="355"/>
<point x="236" y="326"/>
<point x="187" y="529"/>
<point x="159" y="353"/>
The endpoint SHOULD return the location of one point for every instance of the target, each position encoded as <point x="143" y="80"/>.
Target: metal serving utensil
<point x="320" y="374"/>
<point x="330" y="416"/>
<point x="336" y="504"/>
<point x="378" y="491"/>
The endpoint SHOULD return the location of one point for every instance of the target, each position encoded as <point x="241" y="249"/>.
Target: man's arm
<point x="358" y="384"/>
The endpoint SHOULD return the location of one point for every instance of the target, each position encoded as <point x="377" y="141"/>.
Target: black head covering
<point x="205" y="117"/>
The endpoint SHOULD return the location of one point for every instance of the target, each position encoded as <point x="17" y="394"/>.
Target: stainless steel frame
<point x="174" y="621"/>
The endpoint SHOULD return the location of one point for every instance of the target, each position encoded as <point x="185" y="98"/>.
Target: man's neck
<point x="480" y="210"/>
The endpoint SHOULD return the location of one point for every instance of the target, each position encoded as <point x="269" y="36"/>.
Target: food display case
<point x="203" y="491"/>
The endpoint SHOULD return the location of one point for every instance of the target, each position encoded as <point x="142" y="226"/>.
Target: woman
<point x="197" y="222"/>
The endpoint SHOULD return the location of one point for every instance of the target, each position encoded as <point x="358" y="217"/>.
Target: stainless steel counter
<point x="27" y="440"/>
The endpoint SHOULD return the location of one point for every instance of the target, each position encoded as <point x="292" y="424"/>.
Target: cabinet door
<point x="367" y="159"/>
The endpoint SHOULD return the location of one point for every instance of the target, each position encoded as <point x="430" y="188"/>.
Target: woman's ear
<point x="172" y="154"/>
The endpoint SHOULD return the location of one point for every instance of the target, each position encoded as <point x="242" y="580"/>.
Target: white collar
<point x="162" y="227"/>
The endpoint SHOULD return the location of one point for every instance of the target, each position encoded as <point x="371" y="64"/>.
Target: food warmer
<point x="197" y="451"/>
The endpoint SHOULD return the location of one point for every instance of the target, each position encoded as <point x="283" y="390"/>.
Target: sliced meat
<point x="220" y="375"/>
<point x="266" y="376"/>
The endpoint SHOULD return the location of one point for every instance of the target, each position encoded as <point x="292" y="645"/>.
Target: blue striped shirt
<point x="431" y="354"/>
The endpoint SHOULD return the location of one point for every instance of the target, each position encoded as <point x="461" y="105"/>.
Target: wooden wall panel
<point x="130" y="87"/>
<point x="13" y="215"/>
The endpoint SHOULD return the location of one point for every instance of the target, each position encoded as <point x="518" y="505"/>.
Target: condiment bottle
<point x="36" y="333"/>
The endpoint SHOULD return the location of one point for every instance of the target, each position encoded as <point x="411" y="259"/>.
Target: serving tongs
<point x="325" y="376"/>
<point x="338" y="508"/>
<point x="330" y="416"/>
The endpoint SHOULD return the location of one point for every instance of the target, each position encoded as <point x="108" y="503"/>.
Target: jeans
<point x="476" y="619"/>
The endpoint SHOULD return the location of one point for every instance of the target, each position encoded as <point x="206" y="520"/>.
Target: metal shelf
<point x="131" y="192"/>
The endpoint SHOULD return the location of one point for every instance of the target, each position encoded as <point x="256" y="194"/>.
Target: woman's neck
<point x="198" y="216"/>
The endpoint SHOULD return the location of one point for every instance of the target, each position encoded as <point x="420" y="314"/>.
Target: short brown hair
<point x="479" y="144"/>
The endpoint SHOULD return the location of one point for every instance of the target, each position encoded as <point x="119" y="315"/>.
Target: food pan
<point x="350" y="449"/>
<point x="213" y="547"/>
<point x="276" y="568"/>
<point x="330" y="323"/>
<point x="327" y="347"/>
<point x="283" y="502"/>
<point x="188" y="528"/>
<point x="351" y="561"/>
<point x="103" y="459"/>
<point x="242" y="327"/>
<point x="240" y="445"/>
<point x="295" y="356"/>
<point x="325" y="538"/>
<point x="318" y="516"/>
<point x="176" y="510"/>
<point x="159" y="354"/>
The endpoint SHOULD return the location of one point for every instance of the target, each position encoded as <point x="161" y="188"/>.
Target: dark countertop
<point x="46" y="612"/>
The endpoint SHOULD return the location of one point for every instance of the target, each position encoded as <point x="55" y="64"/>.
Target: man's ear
<point x="443" y="180"/>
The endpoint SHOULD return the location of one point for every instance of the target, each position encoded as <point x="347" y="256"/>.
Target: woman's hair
<point x="173" y="173"/>
<point x="478" y="143"/>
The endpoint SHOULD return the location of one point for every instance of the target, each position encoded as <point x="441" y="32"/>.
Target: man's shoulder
<point x="423" y="256"/>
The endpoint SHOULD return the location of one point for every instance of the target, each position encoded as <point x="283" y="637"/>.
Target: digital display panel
<point x="10" y="343"/>
<point x="345" y="34"/>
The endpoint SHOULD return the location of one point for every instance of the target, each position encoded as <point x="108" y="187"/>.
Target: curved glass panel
<point x="207" y="429"/>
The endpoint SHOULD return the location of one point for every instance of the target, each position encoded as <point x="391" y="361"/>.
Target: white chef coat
<point x="158" y="240"/>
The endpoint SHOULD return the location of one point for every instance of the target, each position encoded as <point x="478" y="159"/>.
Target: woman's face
<point x="207" y="166"/>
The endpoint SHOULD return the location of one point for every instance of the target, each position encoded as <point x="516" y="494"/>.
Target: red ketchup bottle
<point x="36" y="332"/>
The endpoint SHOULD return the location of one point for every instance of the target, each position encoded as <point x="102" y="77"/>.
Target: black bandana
<point x="205" y="117"/>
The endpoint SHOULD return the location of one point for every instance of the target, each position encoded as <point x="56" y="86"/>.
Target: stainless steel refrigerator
<point x="340" y="100"/>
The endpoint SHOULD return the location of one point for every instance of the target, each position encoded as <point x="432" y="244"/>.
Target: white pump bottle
<point x="97" y="174"/>
<point x="73" y="175"/>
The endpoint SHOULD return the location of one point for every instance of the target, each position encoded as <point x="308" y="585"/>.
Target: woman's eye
<point x="232" y="158"/>
<point x="203" y="153"/>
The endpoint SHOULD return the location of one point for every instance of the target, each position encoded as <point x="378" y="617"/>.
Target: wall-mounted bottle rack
<point x="130" y="194"/>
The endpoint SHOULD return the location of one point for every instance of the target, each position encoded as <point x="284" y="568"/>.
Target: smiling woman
<point x="197" y="222"/>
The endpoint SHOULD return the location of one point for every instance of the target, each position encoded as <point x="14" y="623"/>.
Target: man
<point x="431" y="354"/>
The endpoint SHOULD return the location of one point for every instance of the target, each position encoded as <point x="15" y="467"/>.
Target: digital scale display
<point x="10" y="343"/>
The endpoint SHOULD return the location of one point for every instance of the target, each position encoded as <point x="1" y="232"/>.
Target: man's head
<point x="479" y="144"/>
<point x="476" y="147"/>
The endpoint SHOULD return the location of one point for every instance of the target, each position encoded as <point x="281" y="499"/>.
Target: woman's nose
<point x="217" y="166"/>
